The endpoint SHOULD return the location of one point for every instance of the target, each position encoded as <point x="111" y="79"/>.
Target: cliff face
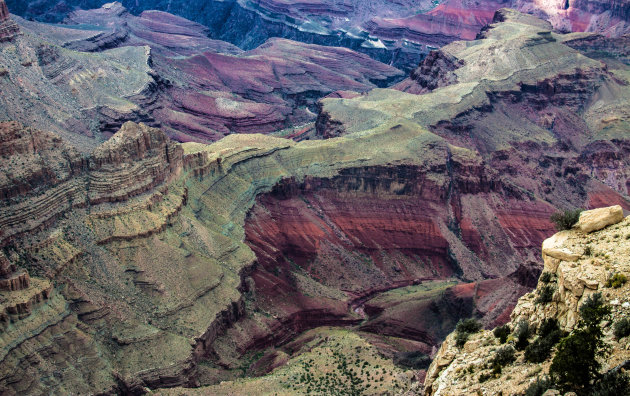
<point x="579" y="263"/>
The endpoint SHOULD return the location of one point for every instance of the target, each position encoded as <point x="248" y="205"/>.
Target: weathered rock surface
<point x="8" y="28"/>
<point x="572" y="282"/>
<point x="595" y="220"/>
<point x="185" y="271"/>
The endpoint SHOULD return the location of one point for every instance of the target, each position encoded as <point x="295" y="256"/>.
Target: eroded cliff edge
<point x="578" y="265"/>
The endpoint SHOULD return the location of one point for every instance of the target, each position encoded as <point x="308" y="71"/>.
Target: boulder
<point x="596" y="219"/>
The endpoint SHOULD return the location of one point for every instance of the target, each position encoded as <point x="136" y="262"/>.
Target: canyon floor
<point x="137" y="259"/>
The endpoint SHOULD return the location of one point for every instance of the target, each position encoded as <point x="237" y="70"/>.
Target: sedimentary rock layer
<point x="181" y="269"/>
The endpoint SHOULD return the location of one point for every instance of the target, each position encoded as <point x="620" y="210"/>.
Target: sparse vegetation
<point x="470" y="325"/>
<point x="464" y="329"/>
<point x="522" y="334"/>
<point x="546" y="277"/>
<point x="504" y="356"/>
<point x="545" y="295"/>
<point x="614" y="383"/>
<point x="588" y="251"/>
<point x="539" y="387"/>
<point x="616" y="281"/>
<point x="460" y="339"/>
<point x="575" y="365"/>
<point x="549" y="334"/>
<point x="565" y="219"/>
<point x="622" y="328"/>
<point x="502" y="333"/>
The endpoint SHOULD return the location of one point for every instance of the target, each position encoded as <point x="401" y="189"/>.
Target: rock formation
<point x="590" y="261"/>
<point x="398" y="33"/>
<point x="8" y="28"/>
<point x="144" y="263"/>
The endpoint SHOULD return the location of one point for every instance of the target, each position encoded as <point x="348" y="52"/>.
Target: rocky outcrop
<point x="8" y="28"/>
<point x="135" y="160"/>
<point x="573" y="279"/>
<point x="45" y="178"/>
<point x="41" y="178"/>
<point x="435" y="71"/>
<point x="595" y="220"/>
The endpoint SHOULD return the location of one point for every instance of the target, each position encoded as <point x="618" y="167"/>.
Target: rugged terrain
<point x="394" y="32"/>
<point x="165" y="265"/>
<point x="580" y="265"/>
<point x="83" y="81"/>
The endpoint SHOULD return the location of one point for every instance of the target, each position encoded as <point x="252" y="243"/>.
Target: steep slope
<point x="580" y="265"/>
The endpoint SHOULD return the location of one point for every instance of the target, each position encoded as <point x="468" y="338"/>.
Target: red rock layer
<point x="370" y="230"/>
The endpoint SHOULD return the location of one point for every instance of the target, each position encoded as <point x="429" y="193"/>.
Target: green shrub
<point x="617" y="281"/>
<point x="504" y="356"/>
<point x="469" y="325"/>
<point x="588" y="251"/>
<point x="539" y="387"/>
<point x="546" y="277"/>
<point x="545" y="295"/>
<point x="614" y="383"/>
<point x="539" y="350"/>
<point x="593" y="311"/>
<point x="522" y="334"/>
<point x="548" y="326"/>
<point x="461" y="338"/>
<point x="565" y="219"/>
<point x="502" y="333"/>
<point x="575" y="365"/>
<point x="464" y="329"/>
<point x="548" y="335"/>
<point x="622" y="328"/>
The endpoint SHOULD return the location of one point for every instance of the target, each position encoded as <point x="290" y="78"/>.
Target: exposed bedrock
<point x="328" y="248"/>
<point x="8" y="28"/>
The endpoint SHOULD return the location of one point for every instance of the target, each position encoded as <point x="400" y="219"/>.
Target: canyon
<point x="84" y="83"/>
<point x="145" y="247"/>
<point x="399" y="33"/>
